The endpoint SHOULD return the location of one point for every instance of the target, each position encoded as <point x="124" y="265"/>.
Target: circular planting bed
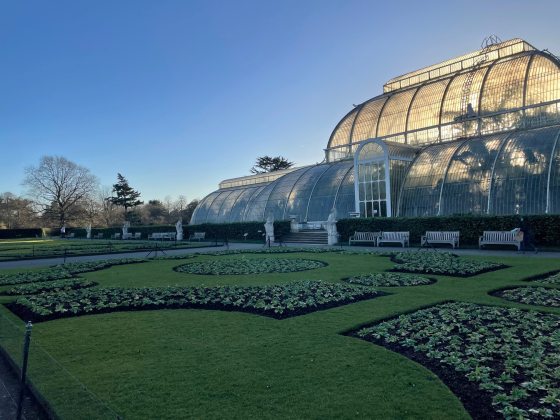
<point x="250" y="266"/>
<point x="541" y="296"/>
<point x="389" y="280"/>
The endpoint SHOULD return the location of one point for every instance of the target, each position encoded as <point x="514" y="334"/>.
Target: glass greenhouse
<point x="477" y="134"/>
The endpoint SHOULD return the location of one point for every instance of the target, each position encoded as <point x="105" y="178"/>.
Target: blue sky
<point x="178" y="95"/>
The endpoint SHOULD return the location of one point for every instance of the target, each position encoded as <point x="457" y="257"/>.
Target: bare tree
<point x="180" y="204"/>
<point x="16" y="212"/>
<point x="58" y="185"/>
<point x="109" y="212"/>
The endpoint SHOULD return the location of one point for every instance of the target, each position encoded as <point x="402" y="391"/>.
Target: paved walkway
<point x="43" y="262"/>
<point x="9" y="395"/>
<point x="141" y="254"/>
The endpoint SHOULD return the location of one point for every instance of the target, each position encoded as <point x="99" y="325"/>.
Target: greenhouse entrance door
<point x="371" y="180"/>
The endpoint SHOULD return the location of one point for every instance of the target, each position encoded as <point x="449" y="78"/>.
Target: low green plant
<point x="553" y="279"/>
<point x="443" y="263"/>
<point x="389" y="280"/>
<point x="49" y="286"/>
<point x="541" y="296"/>
<point x="64" y="271"/>
<point x="249" y="266"/>
<point x="278" y="301"/>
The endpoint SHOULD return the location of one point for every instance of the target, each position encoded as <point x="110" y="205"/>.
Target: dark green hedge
<point x="219" y="231"/>
<point x="545" y="228"/>
<point x="236" y="231"/>
<point x="21" y="233"/>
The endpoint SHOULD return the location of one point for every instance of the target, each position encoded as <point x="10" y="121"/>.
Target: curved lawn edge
<point x="467" y="392"/>
<point x="476" y="401"/>
<point x="25" y="315"/>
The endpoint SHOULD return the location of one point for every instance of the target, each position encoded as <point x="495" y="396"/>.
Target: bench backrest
<point x="442" y="236"/>
<point x="199" y="235"/>
<point x="366" y="236"/>
<point x="395" y="235"/>
<point x="503" y="235"/>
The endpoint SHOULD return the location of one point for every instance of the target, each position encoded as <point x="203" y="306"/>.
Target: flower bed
<point x="64" y="271"/>
<point x="389" y="280"/>
<point x="250" y="266"/>
<point x="49" y="286"/>
<point x="541" y="296"/>
<point x="549" y="278"/>
<point x="277" y="301"/>
<point x="497" y="360"/>
<point x="442" y="263"/>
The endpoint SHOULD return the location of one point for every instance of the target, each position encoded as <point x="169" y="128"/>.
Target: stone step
<point x="309" y="237"/>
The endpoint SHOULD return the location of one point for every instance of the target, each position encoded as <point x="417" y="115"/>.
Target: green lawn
<point x="214" y="364"/>
<point x="13" y="249"/>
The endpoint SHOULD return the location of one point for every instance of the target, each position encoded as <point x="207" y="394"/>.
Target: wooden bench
<point x="200" y="236"/>
<point x="71" y="235"/>
<point x="364" y="237"/>
<point x="137" y="235"/>
<point x="440" y="237"/>
<point x="98" y="236"/>
<point x="507" y="237"/>
<point x="116" y="236"/>
<point x="402" y="237"/>
<point x="162" y="235"/>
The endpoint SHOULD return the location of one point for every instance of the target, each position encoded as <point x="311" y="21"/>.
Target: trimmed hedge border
<point x="546" y="228"/>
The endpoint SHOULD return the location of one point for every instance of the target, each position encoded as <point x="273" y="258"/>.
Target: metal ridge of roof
<point x="459" y="63"/>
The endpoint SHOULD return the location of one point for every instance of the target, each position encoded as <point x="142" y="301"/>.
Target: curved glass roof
<point x="308" y="193"/>
<point x="497" y="93"/>
<point x="515" y="173"/>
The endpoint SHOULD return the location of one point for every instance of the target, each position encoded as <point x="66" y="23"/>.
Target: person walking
<point x="528" y="236"/>
<point x="63" y="231"/>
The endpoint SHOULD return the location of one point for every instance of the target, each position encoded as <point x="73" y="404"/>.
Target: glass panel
<point x="240" y="207"/>
<point x="463" y="90"/>
<point x="467" y="184"/>
<point x="225" y="213"/>
<point x="322" y="198"/>
<point x="521" y="173"/>
<point x="554" y="192"/>
<point x="421" y="190"/>
<point x="383" y="208"/>
<point x="278" y="198"/>
<point x="298" y="200"/>
<point x="375" y="190"/>
<point x="393" y="118"/>
<point x="382" y="190"/>
<point x="424" y="112"/>
<point x="375" y="210"/>
<point x="257" y="204"/>
<point x="341" y="134"/>
<point x="503" y="90"/>
<point x="201" y="211"/>
<point x="345" y="203"/>
<point x="366" y="121"/>
<point x="371" y="151"/>
<point x="543" y="81"/>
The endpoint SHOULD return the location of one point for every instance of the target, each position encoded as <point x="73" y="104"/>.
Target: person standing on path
<point x="63" y="231"/>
